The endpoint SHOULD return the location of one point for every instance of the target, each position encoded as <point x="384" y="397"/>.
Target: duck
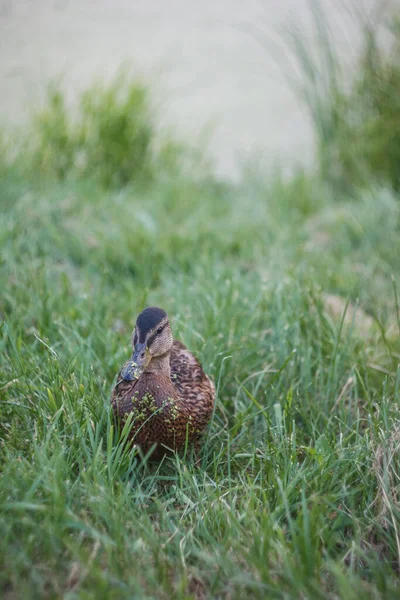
<point x="164" y="388"/>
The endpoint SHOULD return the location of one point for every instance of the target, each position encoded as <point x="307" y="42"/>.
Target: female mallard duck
<point x="164" y="386"/>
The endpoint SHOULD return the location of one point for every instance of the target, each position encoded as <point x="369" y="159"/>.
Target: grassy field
<point x="288" y="292"/>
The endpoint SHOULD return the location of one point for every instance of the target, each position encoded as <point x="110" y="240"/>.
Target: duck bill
<point x="135" y="366"/>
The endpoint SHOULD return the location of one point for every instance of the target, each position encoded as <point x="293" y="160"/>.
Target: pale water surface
<point x="207" y="70"/>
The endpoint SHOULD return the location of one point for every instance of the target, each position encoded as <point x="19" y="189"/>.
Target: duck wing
<point x="195" y="388"/>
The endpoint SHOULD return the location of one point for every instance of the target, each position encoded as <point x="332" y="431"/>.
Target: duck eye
<point x="159" y="330"/>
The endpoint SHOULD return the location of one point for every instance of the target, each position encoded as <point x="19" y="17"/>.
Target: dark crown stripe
<point x="148" y="319"/>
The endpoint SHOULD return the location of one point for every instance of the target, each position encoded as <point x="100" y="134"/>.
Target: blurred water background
<point x="219" y="72"/>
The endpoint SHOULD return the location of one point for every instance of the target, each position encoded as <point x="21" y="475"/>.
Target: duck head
<point x="151" y="338"/>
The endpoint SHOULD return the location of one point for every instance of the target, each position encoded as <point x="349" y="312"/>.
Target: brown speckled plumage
<point x="172" y="399"/>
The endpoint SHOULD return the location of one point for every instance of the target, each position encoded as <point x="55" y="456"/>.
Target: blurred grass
<point x="356" y="124"/>
<point x="110" y="137"/>
<point x="288" y="293"/>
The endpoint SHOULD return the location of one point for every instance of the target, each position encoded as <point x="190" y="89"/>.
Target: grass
<point x="288" y="293"/>
<point x="356" y="123"/>
<point x="290" y="496"/>
<point x="110" y="137"/>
